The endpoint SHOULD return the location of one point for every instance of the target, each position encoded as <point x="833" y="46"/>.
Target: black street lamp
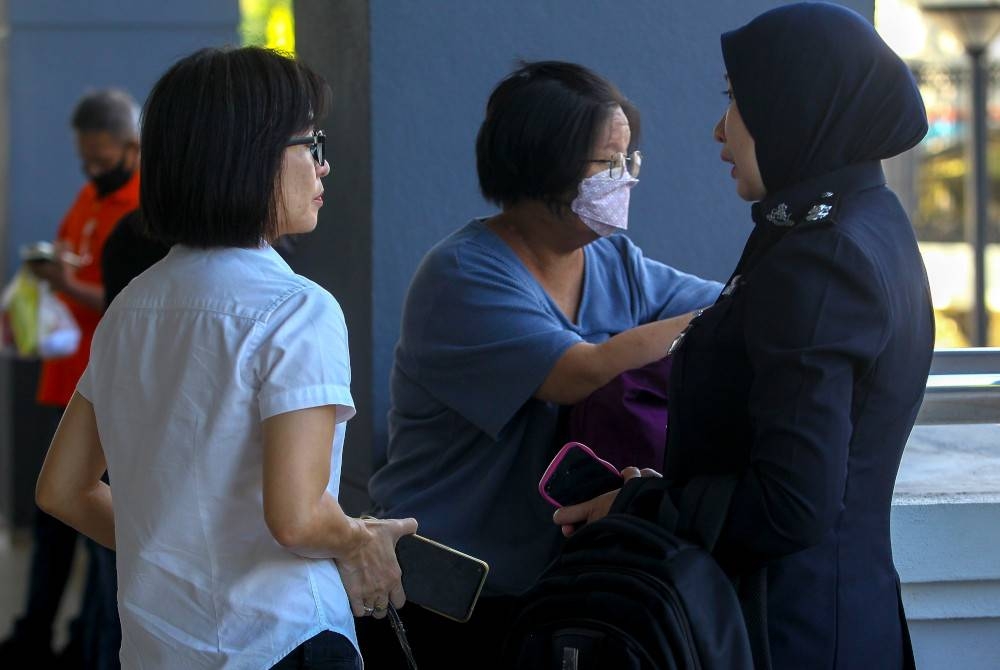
<point x="975" y="24"/>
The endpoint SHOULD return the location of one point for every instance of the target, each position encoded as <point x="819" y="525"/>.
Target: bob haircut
<point x="214" y="132"/>
<point x="541" y="124"/>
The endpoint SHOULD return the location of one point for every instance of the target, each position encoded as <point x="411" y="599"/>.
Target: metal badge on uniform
<point x="681" y="335"/>
<point x="818" y="212"/>
<point x="677" y="340"/>
<point x="779" y="216"/>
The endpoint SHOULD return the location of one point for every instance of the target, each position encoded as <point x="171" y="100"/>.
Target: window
<point x="931" y="179"/>
<point x="268" y="23"/>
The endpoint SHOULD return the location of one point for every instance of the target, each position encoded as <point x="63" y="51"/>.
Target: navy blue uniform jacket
<point x="804" y="380"/>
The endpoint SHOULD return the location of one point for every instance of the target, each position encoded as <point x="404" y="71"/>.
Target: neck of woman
<point x="550" y="246"/>
<point x="546" y="242"/>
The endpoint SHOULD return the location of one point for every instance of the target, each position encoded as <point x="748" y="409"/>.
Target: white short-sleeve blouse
<point x="185" y="365"/>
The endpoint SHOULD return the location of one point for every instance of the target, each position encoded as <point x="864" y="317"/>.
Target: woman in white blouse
<point x="218" y="391"/>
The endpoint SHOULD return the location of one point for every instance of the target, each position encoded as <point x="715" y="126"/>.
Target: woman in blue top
<point x="509" y="319"/>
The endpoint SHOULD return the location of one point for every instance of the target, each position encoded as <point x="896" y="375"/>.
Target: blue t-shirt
<point x="467" y="439"/>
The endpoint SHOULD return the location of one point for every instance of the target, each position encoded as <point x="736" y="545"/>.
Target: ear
<point x="132" y="155"/>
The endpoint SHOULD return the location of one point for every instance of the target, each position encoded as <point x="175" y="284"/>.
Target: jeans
<point x="439" y="643"/>
<point x="95" y="634"/>
<point x="326" y="651"/>
<point x="51" y="559"/>
<point x="101" y="632"/>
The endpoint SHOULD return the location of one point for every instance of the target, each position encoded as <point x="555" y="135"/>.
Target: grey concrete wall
<point x="422" y="71"/>
<point x="56" y="51"/>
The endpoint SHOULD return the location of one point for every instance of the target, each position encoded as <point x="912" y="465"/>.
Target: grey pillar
<point x="333" y="38"/>
<point x="979" y="192"/>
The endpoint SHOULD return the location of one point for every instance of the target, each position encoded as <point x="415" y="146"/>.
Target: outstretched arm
<point x="586" y="367"/>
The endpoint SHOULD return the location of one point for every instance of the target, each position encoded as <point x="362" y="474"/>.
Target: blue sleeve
<point x="663" y="292"/>
<point x="477" y="335"/>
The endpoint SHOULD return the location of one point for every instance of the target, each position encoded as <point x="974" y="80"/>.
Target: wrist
<point x="350" y="539"/>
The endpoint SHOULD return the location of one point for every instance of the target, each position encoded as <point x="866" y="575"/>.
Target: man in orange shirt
<point x="105" y="125"/>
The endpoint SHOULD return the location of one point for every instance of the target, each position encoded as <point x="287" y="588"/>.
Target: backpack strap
<point x="752" y="592"/>
<point x="704" y="506"/>
<point x="700" y="517"/>
<point x="647" y="498"/>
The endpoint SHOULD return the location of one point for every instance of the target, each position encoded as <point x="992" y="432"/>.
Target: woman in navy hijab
<point x="803" y="381"/>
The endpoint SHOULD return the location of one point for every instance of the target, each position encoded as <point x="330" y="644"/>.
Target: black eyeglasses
<point x="316" y="142"/>
<point x="620" y="162"/>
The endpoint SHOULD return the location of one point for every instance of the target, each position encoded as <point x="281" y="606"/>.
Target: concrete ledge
<point x="946" y="544"/>
<point x="952" y="600"/>
<point x="946" y="540"/>
<point x="956" y="644"/>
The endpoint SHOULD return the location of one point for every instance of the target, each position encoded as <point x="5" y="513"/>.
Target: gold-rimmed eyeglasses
<point x="619" y="163"/>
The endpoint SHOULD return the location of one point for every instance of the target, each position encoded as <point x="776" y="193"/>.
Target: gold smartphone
<point x="439" y="578"/>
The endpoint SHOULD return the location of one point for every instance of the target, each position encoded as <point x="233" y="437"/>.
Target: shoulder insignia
<point x="733" y="284"/>
<point x="818" y="212"/>
<point x="779" y="216"/>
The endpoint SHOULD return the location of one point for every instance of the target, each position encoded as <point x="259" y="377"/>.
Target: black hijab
<point x="819" y="90"/>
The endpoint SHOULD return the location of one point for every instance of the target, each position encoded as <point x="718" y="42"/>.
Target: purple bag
<point x="625" y="421"/>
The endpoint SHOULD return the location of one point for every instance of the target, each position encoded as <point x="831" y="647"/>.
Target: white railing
<point x="963" y="388"/>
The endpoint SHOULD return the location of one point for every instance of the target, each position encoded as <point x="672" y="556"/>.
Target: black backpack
<point x="626" y="593"/>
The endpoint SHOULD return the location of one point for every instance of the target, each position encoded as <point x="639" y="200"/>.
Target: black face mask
<point x="111" y="180"/>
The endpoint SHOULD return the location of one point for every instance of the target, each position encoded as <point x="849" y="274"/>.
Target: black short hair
<point x="541" y="123"/>
<point x="108" y="110"/>
<point x="214" y="131"/>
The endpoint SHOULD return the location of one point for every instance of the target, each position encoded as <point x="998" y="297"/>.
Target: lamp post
<point x="975" y="24"/>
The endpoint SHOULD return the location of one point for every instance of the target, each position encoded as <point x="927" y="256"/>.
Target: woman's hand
<point x="592" y="510"/>
<point x="370" y="572"/>
<point x="305" y="519"/>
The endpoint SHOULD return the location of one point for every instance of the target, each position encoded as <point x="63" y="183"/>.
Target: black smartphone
<point x="577" y="475"/>
<point x="439" y="578"/>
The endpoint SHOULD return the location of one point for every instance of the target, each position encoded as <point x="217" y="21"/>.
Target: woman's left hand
<point x="597" y="508"/>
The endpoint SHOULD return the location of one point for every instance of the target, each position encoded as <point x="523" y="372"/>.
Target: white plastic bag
<point x="35" y="323"/>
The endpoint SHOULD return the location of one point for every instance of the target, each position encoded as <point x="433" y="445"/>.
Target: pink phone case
<point x="554" y="465"/>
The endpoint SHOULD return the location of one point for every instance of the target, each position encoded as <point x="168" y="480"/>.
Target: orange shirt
<point x="83" y="231"/>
